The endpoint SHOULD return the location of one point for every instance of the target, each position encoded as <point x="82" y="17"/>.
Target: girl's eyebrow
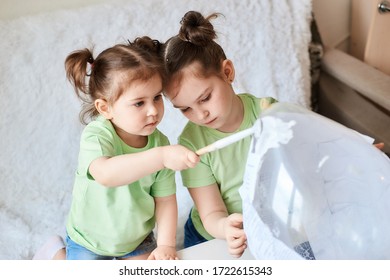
<point x="159" y="92"/>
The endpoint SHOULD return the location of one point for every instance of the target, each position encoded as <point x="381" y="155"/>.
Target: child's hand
<point x="178" y="157"/>
<point x="235" y="235"/>
<point x="380" y="146"/>
<point x="163" y="253"/>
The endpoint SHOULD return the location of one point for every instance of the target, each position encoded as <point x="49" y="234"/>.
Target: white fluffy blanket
<point x="39" y="127"/>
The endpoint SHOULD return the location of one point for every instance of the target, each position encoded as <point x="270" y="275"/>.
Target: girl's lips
<point x="208" y="123"/>
<point x="152" y="124"/>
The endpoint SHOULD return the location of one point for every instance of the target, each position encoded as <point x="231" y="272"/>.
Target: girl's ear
<point x="103" y="108"/>
<point x="228" y="70"/>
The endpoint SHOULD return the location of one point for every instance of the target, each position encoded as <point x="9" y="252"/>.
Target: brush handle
<point x="206" y="150"/>
<point x="225" y="141"/>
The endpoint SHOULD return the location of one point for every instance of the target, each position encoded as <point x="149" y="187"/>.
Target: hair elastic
<point x="91" y="61"/>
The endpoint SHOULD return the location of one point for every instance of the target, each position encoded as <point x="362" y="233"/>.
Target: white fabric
<point x="39" y="126"/>
<point x="50" y="248"/>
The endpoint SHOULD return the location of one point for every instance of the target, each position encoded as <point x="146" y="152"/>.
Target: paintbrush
<point x="229" y="139"/>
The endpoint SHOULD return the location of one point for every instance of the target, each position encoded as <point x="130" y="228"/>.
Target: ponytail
<point x="76" y="70"/>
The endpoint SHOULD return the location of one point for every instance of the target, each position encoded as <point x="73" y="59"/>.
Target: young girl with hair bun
<point x="199" y="84"/>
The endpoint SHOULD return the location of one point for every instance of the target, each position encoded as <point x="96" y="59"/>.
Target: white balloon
<point x="313" y="181"/>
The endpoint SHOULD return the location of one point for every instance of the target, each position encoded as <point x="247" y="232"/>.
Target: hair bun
<point x="147" y="44"/>
<point x="197" y="29"/>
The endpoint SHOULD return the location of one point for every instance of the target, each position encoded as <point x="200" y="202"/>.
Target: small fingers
<point x="236" y="233"/>
<point x="237" y="242"/>
<point x="237" y="246"/>
<point x="235" y="220"/>
<point x="380" y="146"/>
<point x="237" y="252"/>
<point x="193" y="159"/>
<point x="166" y="257"/>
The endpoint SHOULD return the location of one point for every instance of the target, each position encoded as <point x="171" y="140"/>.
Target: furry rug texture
<point x="39" y="126"/>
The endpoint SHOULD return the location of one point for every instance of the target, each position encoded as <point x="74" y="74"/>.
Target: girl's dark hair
<point x="112" y="71"/>
<point x="194" y="43"/>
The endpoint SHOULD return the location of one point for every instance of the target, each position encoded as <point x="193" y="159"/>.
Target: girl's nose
<point x="152" y="110"/>
<point x="202" y="114"/>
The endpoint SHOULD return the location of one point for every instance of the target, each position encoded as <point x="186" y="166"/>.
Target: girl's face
<point x="138" y="111"/>
<point x="207" y="101"/>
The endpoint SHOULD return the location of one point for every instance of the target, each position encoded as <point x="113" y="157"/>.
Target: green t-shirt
<point x="225" y="166"/>
<point x="114" y="221"/>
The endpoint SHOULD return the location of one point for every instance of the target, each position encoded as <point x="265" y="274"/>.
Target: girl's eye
<point x="185" y="109"/>
<point x="139" y="104"/>
<point x="158" y="97"/>
<point x="206" y="98"/>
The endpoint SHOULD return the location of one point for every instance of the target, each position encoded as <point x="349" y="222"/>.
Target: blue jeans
<point x="75" y="251"/>
<point x="191" y="235"/>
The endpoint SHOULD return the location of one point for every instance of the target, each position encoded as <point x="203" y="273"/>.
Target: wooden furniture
<point x="370" y="33"/>
<point x="377" y="51"/>
<point x="356" y="95"/>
